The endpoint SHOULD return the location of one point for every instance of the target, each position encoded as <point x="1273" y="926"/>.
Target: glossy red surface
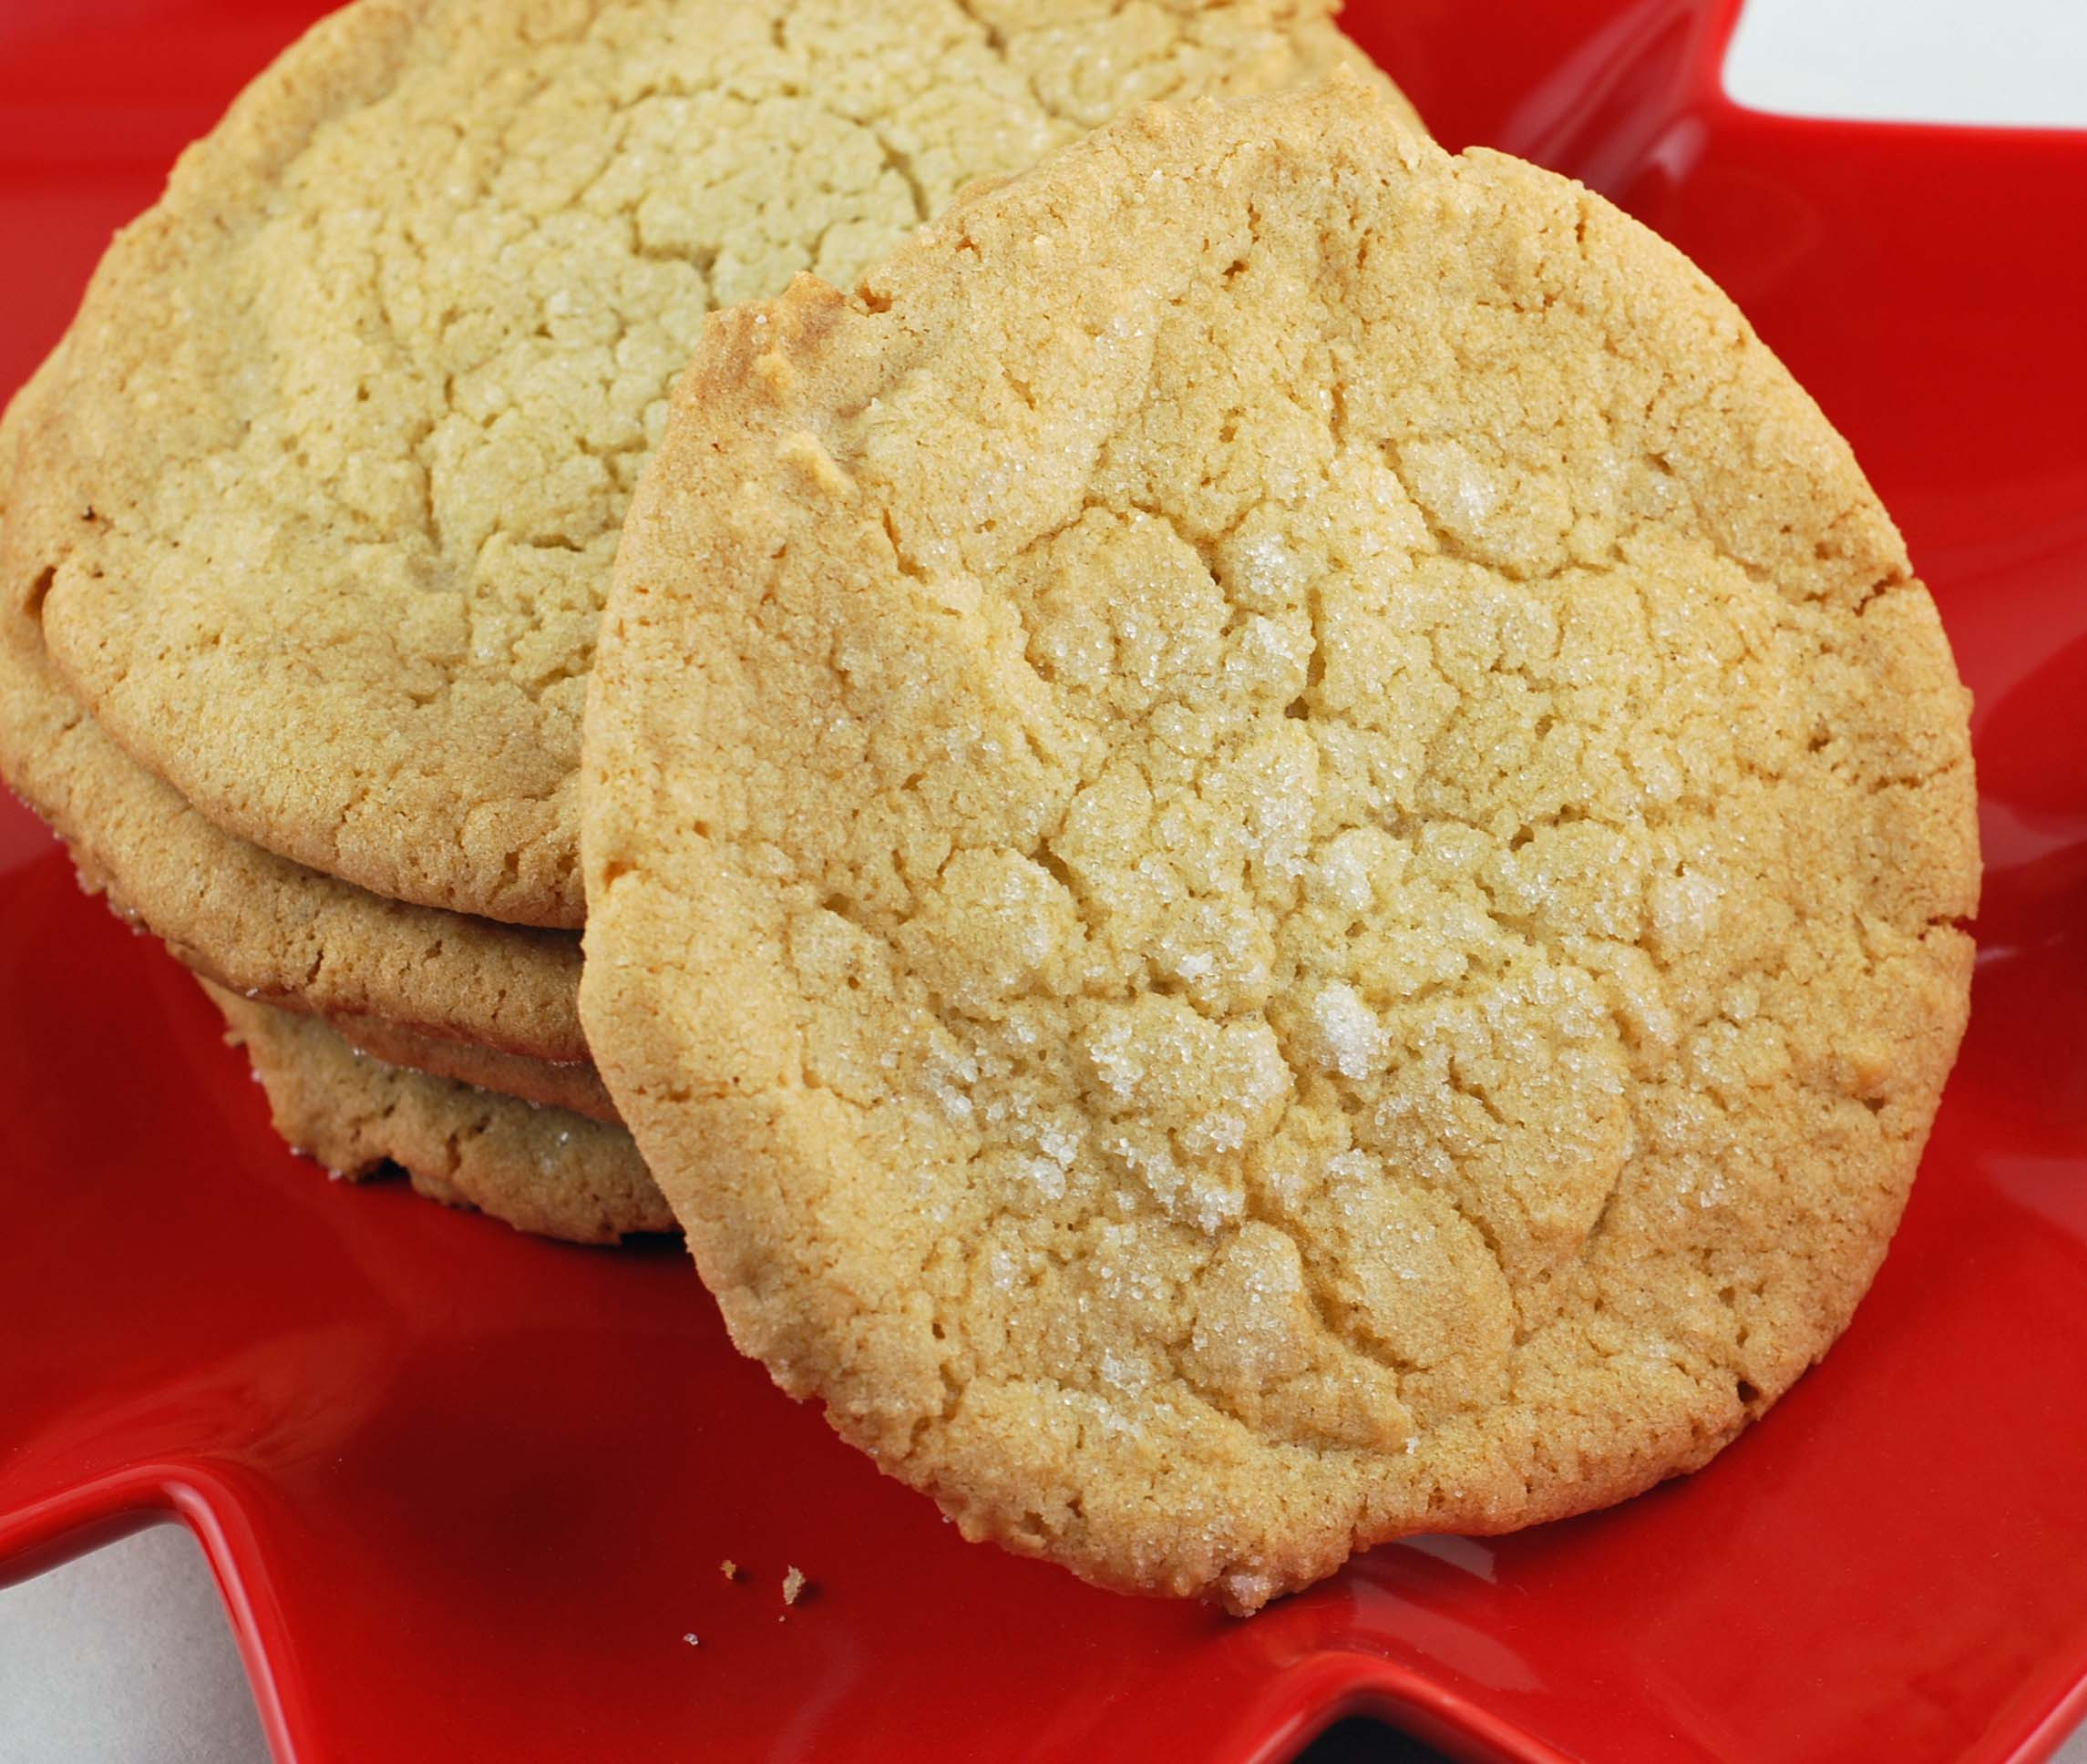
<point x="467" y="1493"/>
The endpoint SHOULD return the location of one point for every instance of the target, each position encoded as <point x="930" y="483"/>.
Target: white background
<point x="125" y="1657"/>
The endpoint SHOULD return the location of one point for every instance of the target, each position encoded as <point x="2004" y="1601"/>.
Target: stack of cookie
<point x="308" y="521"/>
<point x="1274" y="840"/>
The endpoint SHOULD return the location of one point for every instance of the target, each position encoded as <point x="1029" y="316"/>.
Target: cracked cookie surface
<point x="1275" y="846"/>
<point x="259" y="924"/>
<point x="318" y="507"/>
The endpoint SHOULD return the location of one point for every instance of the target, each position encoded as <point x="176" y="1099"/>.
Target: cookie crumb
<point x="728" y="1568"/>
<point x="793" y="1583"/>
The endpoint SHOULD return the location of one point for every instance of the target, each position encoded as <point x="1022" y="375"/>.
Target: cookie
<point x="249" y="919"/>
<point x="317" y="504"/>
<point x="1275" y="845"/>
<point x="541" y="1170"/>
<point x="576" y="1085"/>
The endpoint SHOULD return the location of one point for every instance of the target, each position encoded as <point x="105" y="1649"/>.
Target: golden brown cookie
<point x="317" y="504"/>
<point x="574" y="1085"/>
<point x="1275" y="845"/>
<point x="249" y="919"/>
<point x="543" y="1170"/>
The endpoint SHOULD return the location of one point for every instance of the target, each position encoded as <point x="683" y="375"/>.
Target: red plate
<point x="466" y="1492"/>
